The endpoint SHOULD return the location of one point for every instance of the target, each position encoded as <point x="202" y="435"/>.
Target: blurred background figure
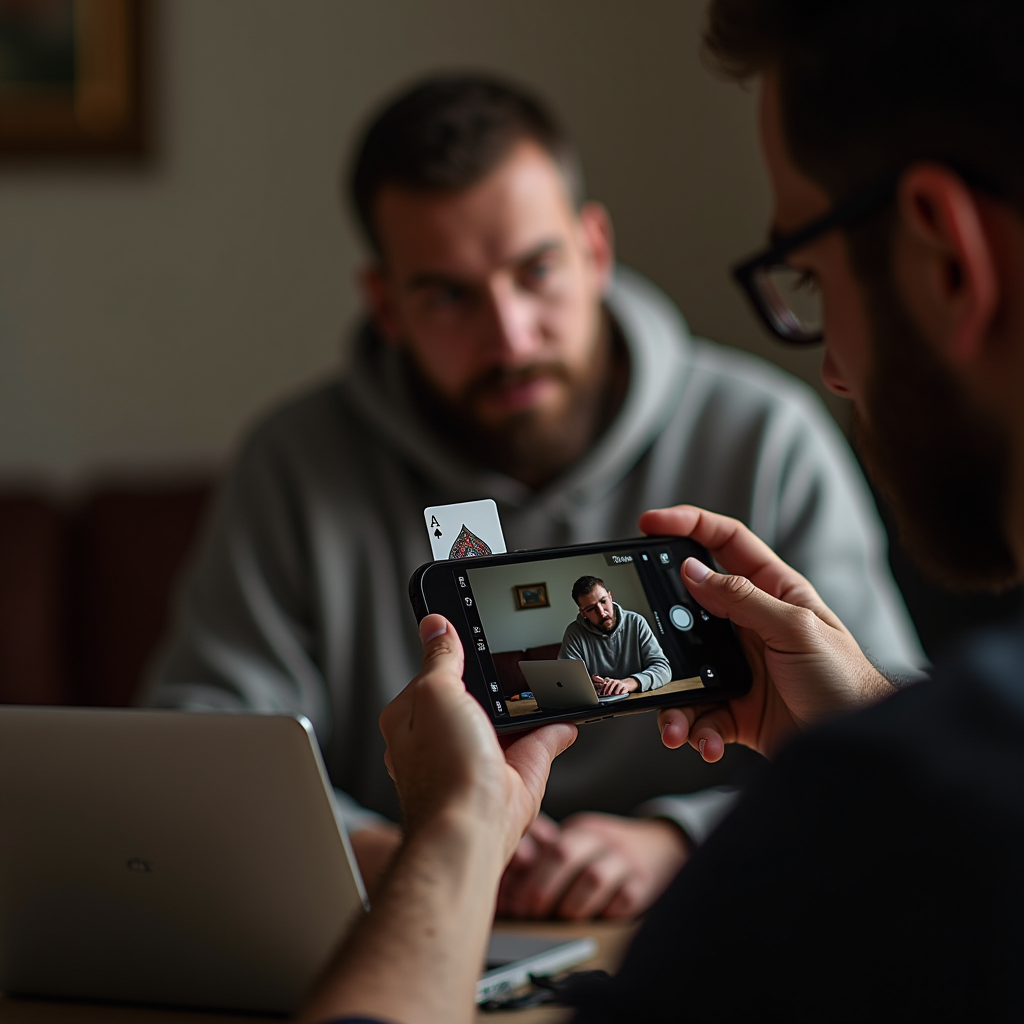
<point x="172" y="261"/>
<point x="503" y="352"/>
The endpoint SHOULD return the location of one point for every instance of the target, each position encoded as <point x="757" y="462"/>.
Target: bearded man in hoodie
<point x="505" y="354"/>
<point x="617" y="645"/>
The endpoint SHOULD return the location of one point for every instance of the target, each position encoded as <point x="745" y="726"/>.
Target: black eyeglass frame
<point x="858" y="205"/>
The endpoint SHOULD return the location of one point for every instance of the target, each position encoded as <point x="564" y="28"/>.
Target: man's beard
<point x="531" y="445"/>
<point x="941" y="462"/>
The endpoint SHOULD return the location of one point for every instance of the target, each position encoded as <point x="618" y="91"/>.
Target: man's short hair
<point x="448" y="132"/>
<point x="584" y="585"/>
<point x="867" y="87"/>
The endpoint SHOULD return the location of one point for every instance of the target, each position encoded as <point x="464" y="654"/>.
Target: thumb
<point x="442" y="649"/>
<point x="778" y="624"/>
<point x="442" y="666"/>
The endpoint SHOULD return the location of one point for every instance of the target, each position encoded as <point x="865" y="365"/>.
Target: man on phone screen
<point x="617" y="645"/>
<point x="504" y="354"/>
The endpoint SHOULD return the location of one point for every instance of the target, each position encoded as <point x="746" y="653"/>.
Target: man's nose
<point x="832" y="377"/>
<point x="511" y="323"/>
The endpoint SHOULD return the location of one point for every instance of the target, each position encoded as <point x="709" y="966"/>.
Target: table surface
<point x="529" y="704"/>
<point x="611" y="939"/>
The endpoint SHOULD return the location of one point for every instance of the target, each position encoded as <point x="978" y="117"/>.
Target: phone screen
<point x="585" y="632"/>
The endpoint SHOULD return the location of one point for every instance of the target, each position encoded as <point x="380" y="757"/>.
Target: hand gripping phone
<point x="634" y="640"/>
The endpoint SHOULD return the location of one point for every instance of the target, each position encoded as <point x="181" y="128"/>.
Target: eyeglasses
<point x="600" y="603"/>
<point x="787" y="299"/>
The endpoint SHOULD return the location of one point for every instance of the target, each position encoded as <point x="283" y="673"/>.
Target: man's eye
<point x="537" y="272"/>
<point x="806" y="281"/>
<point x="450" y="295"/>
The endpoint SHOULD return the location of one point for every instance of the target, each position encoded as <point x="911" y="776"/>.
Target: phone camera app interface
<point x="585" y="630"/>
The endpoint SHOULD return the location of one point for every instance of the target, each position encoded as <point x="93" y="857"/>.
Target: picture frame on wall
<point x="531" y="595"/>
<point x="71" y="80"/>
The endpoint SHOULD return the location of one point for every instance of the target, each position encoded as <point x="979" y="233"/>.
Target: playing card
<point x="466" y="529"/>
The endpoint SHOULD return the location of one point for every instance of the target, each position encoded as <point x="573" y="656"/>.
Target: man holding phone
<point x="504" y="354"/>
<point x="618" y="647"/>
<point x="901" y="195"/>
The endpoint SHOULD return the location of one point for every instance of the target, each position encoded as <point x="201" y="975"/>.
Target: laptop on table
<point x="181" y="858"/>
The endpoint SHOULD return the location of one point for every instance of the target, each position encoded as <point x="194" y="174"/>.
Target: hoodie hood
<point x="659" y="345"/>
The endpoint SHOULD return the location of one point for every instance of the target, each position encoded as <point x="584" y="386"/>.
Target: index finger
<point x="737" y="549"/>
<point x="674" y="725"/>
<point x="544" y="828"/>
<point x="531" y="753"/>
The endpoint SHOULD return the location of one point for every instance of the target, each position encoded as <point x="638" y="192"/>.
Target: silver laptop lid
<point x="168" y="857"/>
<point x="564" y="683"/>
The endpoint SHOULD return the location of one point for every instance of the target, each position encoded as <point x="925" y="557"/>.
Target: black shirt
<point x="874" y="872"/>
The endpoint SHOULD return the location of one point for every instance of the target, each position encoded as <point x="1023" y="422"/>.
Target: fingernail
<point x="663" y="728"/>
<point x="425" y="638"/>
<point x="700" y="746"/>
<point x="696" y="570"/>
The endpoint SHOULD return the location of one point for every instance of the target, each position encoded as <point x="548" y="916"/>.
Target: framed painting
<point x="71" y="81"/>
<point x="531" y="595"/>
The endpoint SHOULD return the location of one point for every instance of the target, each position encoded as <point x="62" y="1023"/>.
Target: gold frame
<point x="101" y="112"/>
<point x="525" y="604"/>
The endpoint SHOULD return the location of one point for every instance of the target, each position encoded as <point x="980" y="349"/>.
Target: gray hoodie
<point x="630" y="649"/>
<point x="298" y="600"/>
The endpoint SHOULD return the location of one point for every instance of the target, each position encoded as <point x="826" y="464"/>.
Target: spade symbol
<point x="437" y="533"/>
<point x="468" y="545"/>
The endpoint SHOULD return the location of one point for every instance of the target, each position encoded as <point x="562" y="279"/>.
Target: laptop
<point x="564" y="683"/>
<point x="181" y="858"/>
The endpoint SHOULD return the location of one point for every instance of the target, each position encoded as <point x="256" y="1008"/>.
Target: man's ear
<point x="949" y="266"/>
<point x="599" y="238"/>
<point x="376" y="289"/>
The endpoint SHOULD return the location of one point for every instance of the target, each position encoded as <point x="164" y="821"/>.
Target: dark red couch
<point x="87" y="586"/>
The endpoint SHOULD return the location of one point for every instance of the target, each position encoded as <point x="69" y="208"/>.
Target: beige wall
<point x="509" y="628"/>
<point x="146" y="316"/>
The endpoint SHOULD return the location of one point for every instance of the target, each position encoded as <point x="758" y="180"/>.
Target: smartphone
<point x="528" y="641"/>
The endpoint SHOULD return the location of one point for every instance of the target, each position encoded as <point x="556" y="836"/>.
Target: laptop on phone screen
<point x="564" y="683"/>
